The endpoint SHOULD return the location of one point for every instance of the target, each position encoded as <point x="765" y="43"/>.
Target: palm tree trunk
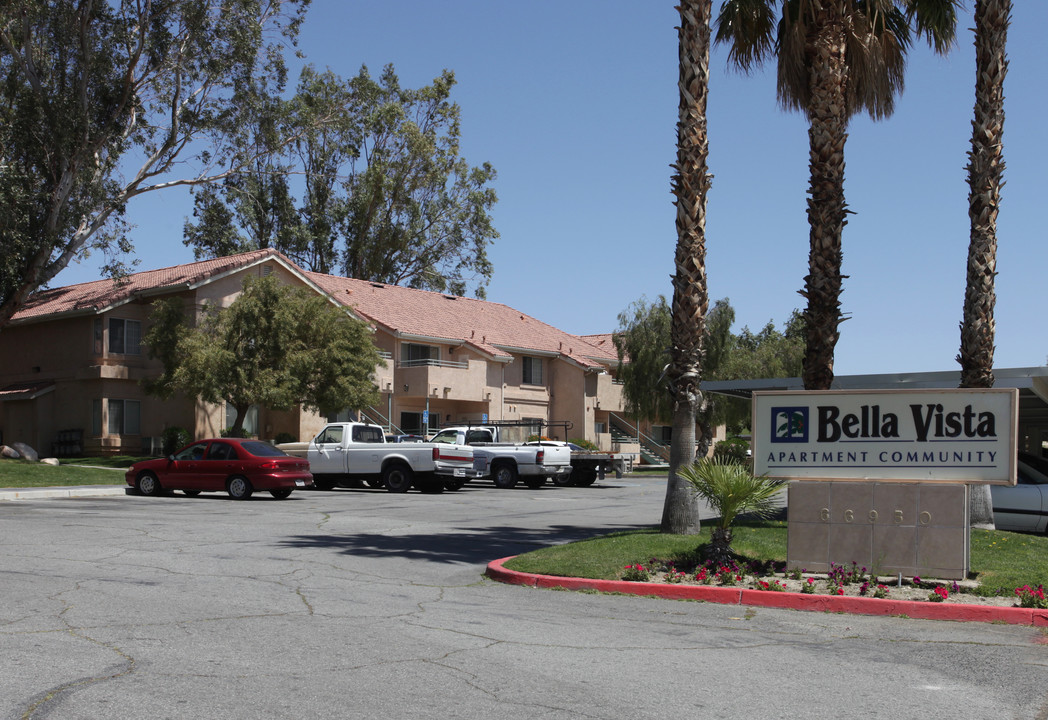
<point x="828" y="115"/>
<point x="985" y="177"/>
<point x="691" y="181"/>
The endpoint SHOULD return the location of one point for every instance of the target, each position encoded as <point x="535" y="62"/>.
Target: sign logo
<point x="789" y="425"/>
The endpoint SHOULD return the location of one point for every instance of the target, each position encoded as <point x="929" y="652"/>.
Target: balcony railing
<point x="429" y="362"/>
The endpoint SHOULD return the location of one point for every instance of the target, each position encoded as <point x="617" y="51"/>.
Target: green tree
<point x="386" y="196"/>
<point x="642" y="343"/>
<point x="104" y="101"/>
<point x="730" y="490"/>
<point x="985" y="178"/>
<point x="835" y="58"/>
<point x="275" y="346"/>
<point x="691" y="182"/>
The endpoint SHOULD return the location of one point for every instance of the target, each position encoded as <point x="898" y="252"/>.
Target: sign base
<point x="887" y="527"/>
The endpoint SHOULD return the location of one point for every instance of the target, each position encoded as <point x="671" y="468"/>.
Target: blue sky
<point x="575" y="104"/>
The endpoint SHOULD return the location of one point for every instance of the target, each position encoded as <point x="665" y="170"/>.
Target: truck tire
<point x="565" y="480"/>
<point x="584" y="477"/>
<point x="430" y="484"/>
<point x="398" y="477"/>
<point x="504" y="475"/>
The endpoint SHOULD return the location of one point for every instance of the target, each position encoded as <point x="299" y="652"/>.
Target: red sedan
<point x="231" y="465"/>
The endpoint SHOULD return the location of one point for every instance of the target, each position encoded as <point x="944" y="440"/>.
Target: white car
<point x="1024" y="506"/>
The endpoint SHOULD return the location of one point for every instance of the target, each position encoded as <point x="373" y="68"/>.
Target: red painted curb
<point x="961" y="612"/>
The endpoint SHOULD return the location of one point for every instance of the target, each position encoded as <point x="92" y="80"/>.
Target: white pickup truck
<point x="506" y="463"/>
<point x="349" y="454"/>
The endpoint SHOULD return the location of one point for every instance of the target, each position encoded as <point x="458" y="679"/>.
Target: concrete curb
<point x="70" y="491"/>
<point x="961" y="612"/>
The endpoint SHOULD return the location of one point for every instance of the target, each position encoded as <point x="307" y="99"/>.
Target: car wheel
<point x="191" y="493"/>
<point x="148" y="484"/>
<point x="535" y="482"/>
<point x="398" y="478"/>
<point x="454" y="485"/>
<point x="239" y="488"/>
<point x="281" y="494"/>
<point x="504" y="476"/>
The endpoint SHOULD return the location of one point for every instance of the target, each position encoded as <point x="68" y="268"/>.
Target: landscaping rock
<point x="50" y="461"/>
<point x="26" y="452"/>
<point x="9" y="452"/>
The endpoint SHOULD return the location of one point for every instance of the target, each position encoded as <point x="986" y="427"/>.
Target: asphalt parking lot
<point x="366" y="604"/>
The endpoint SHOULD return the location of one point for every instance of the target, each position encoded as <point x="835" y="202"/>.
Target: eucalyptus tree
<point x="104" y="101"/>
<point x="691" y="182"/>
<point x="985" y="178"/>
<point x="377" y="190"/>
<point x="834" y="58"/>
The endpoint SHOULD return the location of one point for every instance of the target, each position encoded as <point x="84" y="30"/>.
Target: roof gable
<point x="102" y="295"/>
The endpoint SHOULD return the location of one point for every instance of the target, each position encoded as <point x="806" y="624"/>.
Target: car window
<point x="367" y="434"/>
<point x="1028" y="476"/>
<point x="192" y="452"/>
<point x="221" y="451"/>
<point x="262" y="449"/>
<point x="330" y="434"/>
<point x="445" y="436"/>
<point x="474" y="436"/>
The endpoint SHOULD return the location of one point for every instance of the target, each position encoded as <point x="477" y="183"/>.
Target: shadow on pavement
<point x="465" y="546"/>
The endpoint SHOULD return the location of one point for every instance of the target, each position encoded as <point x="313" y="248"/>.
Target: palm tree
<point x="691" y="181"/>
<point x="730" y="489"/>
<point x="835" y="58"/>
<point x="985" y="170"/>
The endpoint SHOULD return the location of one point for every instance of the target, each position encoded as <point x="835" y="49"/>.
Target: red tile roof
<point x="492" y="328"/>
<point x="94" y="297"/>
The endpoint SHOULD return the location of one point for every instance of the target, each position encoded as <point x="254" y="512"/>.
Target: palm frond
<point x="730" y="489"/>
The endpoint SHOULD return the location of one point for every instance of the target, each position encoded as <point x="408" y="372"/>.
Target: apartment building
<point x="72" y="362"/>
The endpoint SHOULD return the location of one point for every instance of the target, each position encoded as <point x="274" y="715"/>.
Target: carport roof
<point x="1032" y="383"/>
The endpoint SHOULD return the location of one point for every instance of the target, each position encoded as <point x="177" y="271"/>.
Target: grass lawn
<point x="1001" y="561"/>
<point x="22" y="474"/>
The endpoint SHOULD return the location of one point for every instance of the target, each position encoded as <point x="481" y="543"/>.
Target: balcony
<point x="446" y="379"/>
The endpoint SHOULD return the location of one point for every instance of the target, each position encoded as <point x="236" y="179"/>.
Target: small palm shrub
<point x="731" y="490"/>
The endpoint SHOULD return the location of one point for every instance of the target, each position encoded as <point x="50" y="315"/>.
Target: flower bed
<point x="840" y="581"/>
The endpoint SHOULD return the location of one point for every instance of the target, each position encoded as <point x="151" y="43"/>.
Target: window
<point x="330" y="435"/>
<point x="124" y="417"/>
<point x="367" y="434"/>
<point x="250" y="422"/>
<point x="413" y="354"/>
<point x="221" y="451"/>
<point x="125" y="336"/>
<point x="532" y="371"/>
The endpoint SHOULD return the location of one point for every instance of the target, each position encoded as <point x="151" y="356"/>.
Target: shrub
<point x="731" y="450"/>
<point x="230" y="432"/>
<point x="585" y="444"/>
<point x="284" y="437"/>
<point x="173" y="439"/>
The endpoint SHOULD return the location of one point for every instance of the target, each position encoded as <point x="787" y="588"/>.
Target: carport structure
<point x="1032" y="383"/>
